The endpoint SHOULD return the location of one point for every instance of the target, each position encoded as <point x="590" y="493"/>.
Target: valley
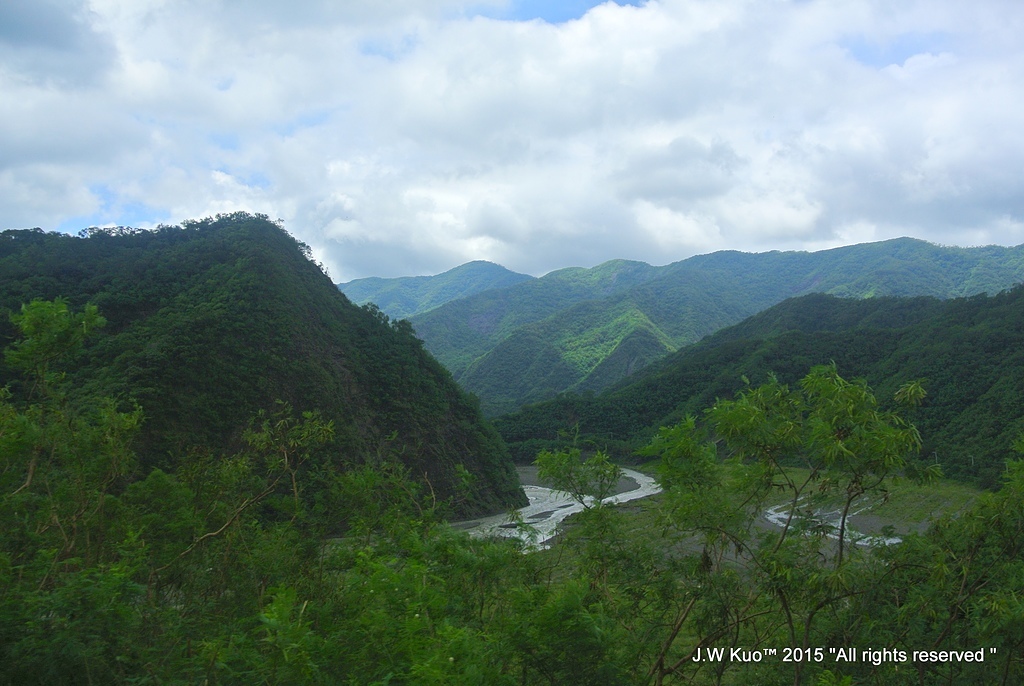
<point x="511" y="343"/>
<point x="586" y="330"/>
<point x="189" y="414"/>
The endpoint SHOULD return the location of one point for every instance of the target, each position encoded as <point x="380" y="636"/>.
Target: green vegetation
<point x="217" y="572"/>
<point x="405" y="297"/>
<point x="588" y="480"/>
<point x="584" y="347"/>
<point x="904" y="504"/>
<point x="216" y="320"/>
<point x="461" y="331"/>
<point x="267" y="565"/>
<point x="595" y="327"/>
<point x="712" y="576"/>
<point x="967" y="352"/>
<point x="215" y="469"/>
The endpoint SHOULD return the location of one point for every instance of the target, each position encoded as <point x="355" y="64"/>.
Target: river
<point x="548" y="508"/>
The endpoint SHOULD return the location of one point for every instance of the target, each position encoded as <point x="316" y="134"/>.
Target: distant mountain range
<point x="407" y="296"/>
<point x="967" y="352"/>
<point x="585" y="330"/>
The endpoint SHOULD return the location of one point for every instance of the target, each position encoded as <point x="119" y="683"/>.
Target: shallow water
<point x="777" y="516"/>
<point x="547" y="509"/>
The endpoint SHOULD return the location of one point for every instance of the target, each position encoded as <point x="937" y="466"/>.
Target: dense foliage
<point x="140" y="544"/>
<point x="406" y="296"/>
<point x="969" y="352"/>
<point x="463" y="330"/>
<point x="212" y="321"/>
<point x="586" y="329"/>
<point x="222" y="573"/>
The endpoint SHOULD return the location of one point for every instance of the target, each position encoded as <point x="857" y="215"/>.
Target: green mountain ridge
<point x="968" y="353"/>
<point x="212" y="321"/>
<point x="230" y="567"/>
<point x="572" y="349"/>
<point x="581" y="313"/>
<point x="466" y="329"/>
<point x="404" y="297"/>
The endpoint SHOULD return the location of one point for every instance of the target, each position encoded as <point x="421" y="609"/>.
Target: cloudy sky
<point x="401" y="137"/>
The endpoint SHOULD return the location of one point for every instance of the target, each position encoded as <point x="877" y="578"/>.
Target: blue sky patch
<point x="303" y="121"/>
<point x="553" y="12"/>
<point x="881" y="53"/>
<point x="225" y="141"/>
<point x="112" y="211"/>
<point x="256" y="180"/>
<point x="391" y="50"/>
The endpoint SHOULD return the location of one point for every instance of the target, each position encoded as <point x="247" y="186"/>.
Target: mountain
<point x="968" y="353"/>
<point x="217" y="565"/>
<point x="586" y="329"/>
<point x="462" y="331"/>
<point x="407" y="296"/>
<point x="212" y="321"/>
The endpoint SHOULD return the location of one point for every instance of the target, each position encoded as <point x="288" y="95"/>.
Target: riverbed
<point x="537" y="523"/>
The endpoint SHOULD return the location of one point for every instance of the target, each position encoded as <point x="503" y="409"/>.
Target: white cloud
<point x="406" y="137"/>
<point x="672" y="230"/>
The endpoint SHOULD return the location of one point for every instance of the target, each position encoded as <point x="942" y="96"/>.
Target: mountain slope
<point x="407" y="296"/>
<point x="461" y="331"/>
<point x="581" y="347"/>
<point x="968" y="352"/>
<point x="677" y="305"/>
<point x="217" y="319"/>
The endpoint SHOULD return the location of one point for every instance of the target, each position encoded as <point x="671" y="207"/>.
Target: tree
<point x="588" y="481"/>
<point x="797" y="451"/>
<point x="51" y="333"/>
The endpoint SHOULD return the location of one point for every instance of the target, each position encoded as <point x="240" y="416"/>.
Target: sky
<point x="406" y="137"/>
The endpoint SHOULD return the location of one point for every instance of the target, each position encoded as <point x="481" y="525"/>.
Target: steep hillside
<point x="587" y="346"/>
<point x="673" y="306"/>
<point x="968" y="352"/>
<point x="408" y="296"/>
<point x="214" y="320"/>
<point x="461" y="331"/>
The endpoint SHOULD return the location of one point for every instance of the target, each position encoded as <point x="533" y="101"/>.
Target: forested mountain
<point x="580" y="329"/>
<point x="226" y="571"/>
<point x="407" y="296"/>
<point x="967" y="352"/>
<point x="215" y="320"/>
<point x="463" y="330"/>
<point x="186" y="541"/>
